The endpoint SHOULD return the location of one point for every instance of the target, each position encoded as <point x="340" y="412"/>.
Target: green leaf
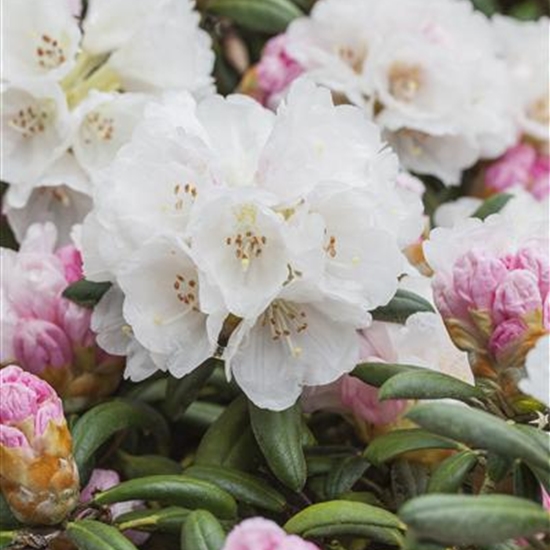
<point x="180" y="490"/>
<point x="244" y="487"/>
<point x="488" y="7"/>
<point x="467" y="519"/>
<point x="164" y="520"/>
<point x="279" y="436"/>
<point x="88" y="534"/>
<point x="7" y="519"/>
<point x="202" y="531"/>
<point x="269" y="16"/>
<point x="344" y="475"/>
<point x="450" y="474"/>
<point x="146" y="465"/>
<point x="401" y="307"/>
<point x="529" y="10"/>
<point x="397" y="442"/>
<point x="202" y="414"/>
<point x="86" y="293"/>
<point x="480" y="429"/>
<point x="526" y="485"/>
<point x="492" y="205"/>
<point x="180" y="393"/>
<point x="344" y="517"/>
<point x="97" y="425"/>
<point x="427" y="384"/>
<point x="377" y="374"/>
<point x="6" y="538"/>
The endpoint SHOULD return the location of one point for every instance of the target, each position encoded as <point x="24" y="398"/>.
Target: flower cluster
<point x="38" y="476"/>
<point x="64" y="116"/>
<point x="42" y="331"/>
<point x="226" y="224"/>
<point x="447" y="86"/>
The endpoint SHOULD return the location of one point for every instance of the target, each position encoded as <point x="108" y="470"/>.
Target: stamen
<point x="284" y="320"/>
<point x="98" y="126"/>
<point x="49" y="53"/>
<point x="32" y="120"/>
<point x="404" y="81"/>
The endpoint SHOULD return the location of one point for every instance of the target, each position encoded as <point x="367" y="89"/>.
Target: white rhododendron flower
<point x="427" y="71"/>
<point x="537" y="365"/>
<point x="80" y="95"/>
<point x="198" y="228"/>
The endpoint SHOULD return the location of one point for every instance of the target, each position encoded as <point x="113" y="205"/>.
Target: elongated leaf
<point x="376" y="374"/>
<point x="97" y="425"/>
<point x="202" y="414"/>
<point x="279" y="436"/>
<point x="202" y="531"/>
<point x="7" y="519"/>
<point x="344" y="475"/>
<point x="427" y="384"/>
<point x="244" y="487"/>
<point x="164" y="520"/>
<point x="401" y="307"/>
<point x="492" y="205"/>
<point x="88" y="534"/>
<point x="147" y="465"/>
<point x="526" y="484"/>
<point x="339" y="517"/>
<point x="86" y="293"/>
<point x="270" y="16"/>
<point x="480" y="429"/>
<point x="395" y="443"/>
<point x="488" y="7"/>
<point x="181" y="490"/>
<point x="467" y="519"/>
<point x="180" y="393"/>
<point x="450" y="474"/>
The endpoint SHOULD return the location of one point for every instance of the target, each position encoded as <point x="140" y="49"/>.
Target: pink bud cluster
<point x="522" y="165"/>
<point x="496" y="304"/>
<point x="262" y="534"/>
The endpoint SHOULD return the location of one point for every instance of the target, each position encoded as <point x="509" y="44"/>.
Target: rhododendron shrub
<point x="275" y="275"/>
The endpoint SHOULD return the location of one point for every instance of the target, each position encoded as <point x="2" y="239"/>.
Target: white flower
<point x="524" y="47"/>
<point x="36" y="131"/>
<point x="39" y="39"/>
<point x="537" y="365"/>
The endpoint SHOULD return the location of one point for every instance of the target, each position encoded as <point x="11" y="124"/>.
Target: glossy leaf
<point x="164" y="520"/>
<point x="146" y="465"/>
<point x="86" y="293"/>
<point x="449" y="476"/>
<point x="88" y="534"/>
<point x="343" y="476"/>
<point x="376" y="374"/>
<point x="202" y="531"/>
<point x="401" y="307"/>
<point x="468" y="519"/>
<point x="492" y="205"/>
<point x="279" y="436"/>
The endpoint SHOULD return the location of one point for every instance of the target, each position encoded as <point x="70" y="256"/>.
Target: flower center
<point x="98" y="127"/>
<point x="539" y="110"/>
<point x="353" y="57"/>
<point x="186" y="291"/>
<point x="49" y="53"/>
<point x="248" y="243"/>
<point x="33" y="119"/>
<point x="284" y="321"/>
<point x="404" y="81"/>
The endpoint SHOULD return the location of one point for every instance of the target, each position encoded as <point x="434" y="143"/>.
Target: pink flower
<point x="521" y="165"/>
<point x="72" y="262"/>
<point x="262" y="534"/>
<point x="37" y="473"/>
<point x="506" y="334"/>
<point x="276" y="70"/>
<point x="516" y="295"/>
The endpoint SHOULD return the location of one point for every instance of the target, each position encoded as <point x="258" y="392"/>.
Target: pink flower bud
<point x="535" y="260"/>
<point x="517" y="294"/>
<point x="262" y="534"/>
<point x="512" y="168"/>
<point x="476" y="276"/>
<point x="38" y="476"/>
<point x="75" y="322"/>
<point x="40" y="344"/>
<point x="72" y="262"/>
<point x="506" y="335"/>
<point x="540" y="173"/>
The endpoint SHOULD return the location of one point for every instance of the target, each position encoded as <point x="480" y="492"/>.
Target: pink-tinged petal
<point x="52" y="411"/>
<point x="513" y="168"/>
<point x="75" y="321"/>
<point x="72" y="262"/>
<point x="12" y="437"/>
<point x="540" y="173"/>
<point x="294" y="542"/>
<point x="17" y="403"/>
<point x="40" y="344"/>
<point x="516" y="295"/>
<point x="100" y="480"/>
<point x="545" y="499"/>
<point x="505" y="335"/>
<point x="446" y="299"/>
<point x="535" y="259"/>
<point x="255" y="534"/>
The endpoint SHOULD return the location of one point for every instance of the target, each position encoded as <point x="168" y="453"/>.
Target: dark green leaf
<point x="488" y="7"/>
<point x="180" y="393"/>
<point x="492" y="205"/>
<point x="202" y="414"/>
<point x="202" y="531"/>
<point x="377" y="374"/>
<point x="344" y="475"/>
<point x="467" y="519"/>
<point x="529" y="10"/>
<point x="270" y="16"/>
<point x="146" y="465"/>
<point x="526" y="485"/>
<point x="397" y="442"/>
<point x="401" y="307"/>
<point x="480" y="429"/>
<point x="86" y="293"/>
<point x="244" y="487"/>
<point x="7" y="519"/>
<point x="97" y="425"/>
<point x="449" y="476"/>
<point x="173" y="490"/>
<point x="165" y="520"/>
<point x="427" y="384"/>
<point x="88" y="534"/>
<point x="279" y="436"/>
